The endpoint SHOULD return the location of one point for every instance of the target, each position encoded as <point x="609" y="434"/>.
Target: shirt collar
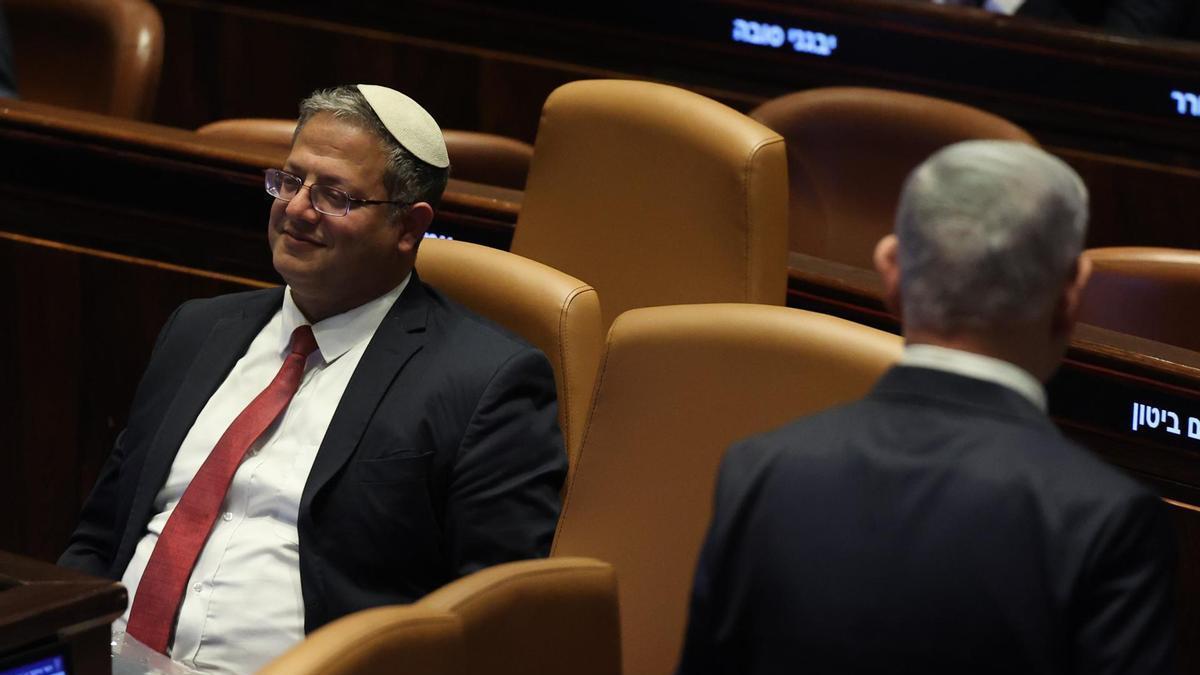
<point x="978" y="366"/>
<point x="339" y="333"/>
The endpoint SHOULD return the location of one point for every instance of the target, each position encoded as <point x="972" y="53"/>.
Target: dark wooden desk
<point x="46" y="609"/>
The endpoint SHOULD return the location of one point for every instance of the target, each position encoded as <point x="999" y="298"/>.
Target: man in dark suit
<point x="1130" y="17"/>
<point x="943" y="524"/>
<point x="413" y="442"/>
<point x="8" y="80"/>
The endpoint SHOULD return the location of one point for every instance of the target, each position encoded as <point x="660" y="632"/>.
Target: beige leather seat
<point x="555" y="312"/>
<point x="656" y="196"/>
<point x="536" y="616"/>
<point x="1145" y="291"/>
<point x="100" y="56"/>
<point x="677" y="385"/>
<point x="474" y="156"/>
<point x="849" y="150"/>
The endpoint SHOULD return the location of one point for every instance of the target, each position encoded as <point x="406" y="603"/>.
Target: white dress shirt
<point x="978" y="366"/>
<point x="243" y="605"/>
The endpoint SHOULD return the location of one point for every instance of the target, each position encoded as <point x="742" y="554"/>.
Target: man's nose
<point x="300" y="207"/>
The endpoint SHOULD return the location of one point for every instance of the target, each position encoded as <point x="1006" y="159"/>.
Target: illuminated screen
<point x="51" y="665"/>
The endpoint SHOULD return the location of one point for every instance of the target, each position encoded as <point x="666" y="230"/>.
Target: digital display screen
<point x="1140" y="412"/>
<point x="50" y="665"/>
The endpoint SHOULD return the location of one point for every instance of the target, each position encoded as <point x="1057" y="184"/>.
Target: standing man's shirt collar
<point x="337" y="334"/>
<point x="978" y="366"/>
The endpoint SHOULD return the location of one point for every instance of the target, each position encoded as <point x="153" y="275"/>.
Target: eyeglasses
<point x="325" y="199"/>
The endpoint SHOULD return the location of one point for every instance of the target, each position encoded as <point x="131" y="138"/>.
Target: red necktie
<point x="162" y="586"/>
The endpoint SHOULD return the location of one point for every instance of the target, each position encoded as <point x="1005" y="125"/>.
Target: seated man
<point x="943" y="524"/>
<point x="354" y="439"/>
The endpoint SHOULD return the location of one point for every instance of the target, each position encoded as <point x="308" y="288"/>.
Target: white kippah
<point x="409" y="124"/>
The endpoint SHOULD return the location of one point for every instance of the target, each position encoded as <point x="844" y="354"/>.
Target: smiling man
<point x="351" y="440"/>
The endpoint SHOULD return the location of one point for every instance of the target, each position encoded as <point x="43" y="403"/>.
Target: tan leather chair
<point x="474" y="156"/>
<point x="555" y="312"/>
<point x="1149" y="292"/>
<point x="849" y="150"/>
<point x="677" y="385"/>
<point x="412" y="639"/>
<point x="100" y="56"/>
<point x="535" y="616"/>
<point x="655" y="196"/>
<point x="538" y="616"/>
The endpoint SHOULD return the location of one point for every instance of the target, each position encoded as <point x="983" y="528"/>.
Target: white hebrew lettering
<point x="1180" y="103"/>
<point x="1173" y="428"/>
<point x="1194" y="428"/>
<point x="1153" y="417"/>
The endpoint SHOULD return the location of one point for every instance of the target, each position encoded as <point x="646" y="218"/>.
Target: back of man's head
<point x="989" y="233"/>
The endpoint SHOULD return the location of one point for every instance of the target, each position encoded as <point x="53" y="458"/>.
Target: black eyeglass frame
<point x="326" y="188"/>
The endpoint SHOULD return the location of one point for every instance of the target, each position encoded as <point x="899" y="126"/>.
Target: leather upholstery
<point x="474" y="156"/>
<point x="655" y="196"/>
<point x="1145" y="291"/>
<point x="538" y="616"/>
<point x="677" y="385"/>
<point x="555" y="312"/>
<point x="532" y="616"/>
<point x="849" y="150"/>
<point x="100" y="56"/>
<point x="412" y="639"/>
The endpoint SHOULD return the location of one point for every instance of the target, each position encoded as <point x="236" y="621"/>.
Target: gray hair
<point x="988" y="232"/>
<point x="405" y="177"/>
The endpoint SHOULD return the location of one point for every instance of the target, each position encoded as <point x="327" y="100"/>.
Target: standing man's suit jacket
<point x="941" y="525"/>
<point x="443" y="457"/>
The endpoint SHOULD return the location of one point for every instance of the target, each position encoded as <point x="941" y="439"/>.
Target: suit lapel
<point x="401" y="335"/>
<point x="222" y="348"/>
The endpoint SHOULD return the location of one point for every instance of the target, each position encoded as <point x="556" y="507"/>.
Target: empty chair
<point x="849" y="150"/>
<point x="534" y="616"/>
<point x="656" y="195"/>
<point x="100" y="56"/>
<point x="1145" y="291"/>
<point x="677" y="385"/>
<point x="474" y="156"/>
<point x="555" y="312"/>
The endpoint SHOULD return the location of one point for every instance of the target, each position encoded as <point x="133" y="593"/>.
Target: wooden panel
<point x="83" y="323"/>
<point x="46" y="610"/>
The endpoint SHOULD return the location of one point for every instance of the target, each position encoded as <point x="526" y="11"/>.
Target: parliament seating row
<point x="676" y="386"/>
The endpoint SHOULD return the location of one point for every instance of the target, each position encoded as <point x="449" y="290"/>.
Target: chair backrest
<point x="555" y="312"/>
<point x="656" y="195"/>
<point x="1145" y="291"/>
<point x="101" y="56"/>
<point x="676" y="386"/>
<point x="849" y="150"/>
<point x="411" y="639"/>
<point x="537" y="616"/>
<point x="474" y="156"/>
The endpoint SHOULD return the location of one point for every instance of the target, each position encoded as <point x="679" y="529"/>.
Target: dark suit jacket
<point x="8" y="80"/>
<point x="1132" y="17"/>
<point x="444" y="455"/>
<point x="941" y="525"/>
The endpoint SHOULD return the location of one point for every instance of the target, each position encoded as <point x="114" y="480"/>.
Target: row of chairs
<point x="674" y="386"/>
<point x="847" y="153"/>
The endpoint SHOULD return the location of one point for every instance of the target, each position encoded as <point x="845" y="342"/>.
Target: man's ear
<point x="1066" y="310"/>
<point x="888" y="266"/>
<point x="414" y="221"/>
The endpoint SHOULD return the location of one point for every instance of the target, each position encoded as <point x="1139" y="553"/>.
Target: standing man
<point x="943" y="524"/>
<point x="351" y="440"/>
